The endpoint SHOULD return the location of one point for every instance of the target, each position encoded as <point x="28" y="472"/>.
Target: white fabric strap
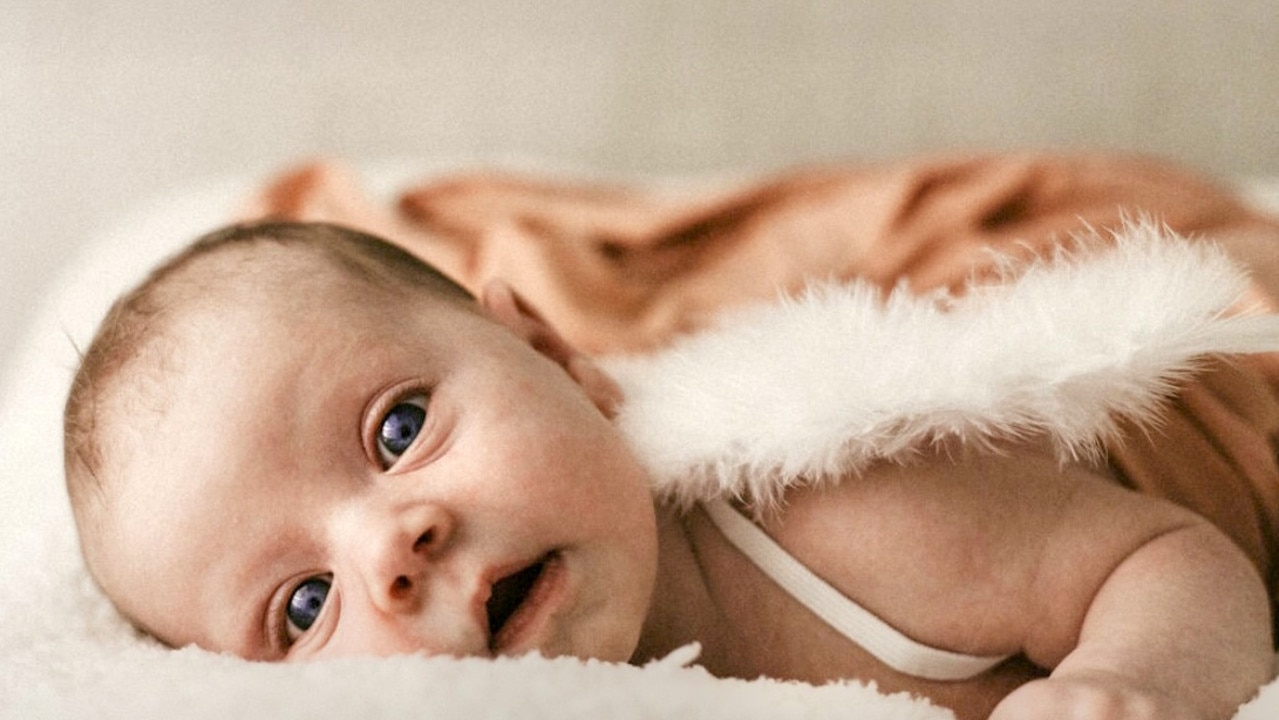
<point x="852" y="620"/>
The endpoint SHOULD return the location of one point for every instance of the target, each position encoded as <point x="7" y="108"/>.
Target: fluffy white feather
<point x="817" y="387"/>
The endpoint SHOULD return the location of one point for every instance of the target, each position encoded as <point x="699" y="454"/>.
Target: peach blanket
<point x="624" y="269"/>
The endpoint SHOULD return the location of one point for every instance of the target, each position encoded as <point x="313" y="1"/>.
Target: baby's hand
<point x="1096" y="696"/>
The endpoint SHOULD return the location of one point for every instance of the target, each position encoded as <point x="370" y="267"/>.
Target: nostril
<point x="401" y="586"/>
<point x="424" y="541"/>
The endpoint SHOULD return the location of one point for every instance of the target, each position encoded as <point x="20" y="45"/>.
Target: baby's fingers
<point x="1092" y="698"/>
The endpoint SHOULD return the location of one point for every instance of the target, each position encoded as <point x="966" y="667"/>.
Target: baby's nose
<point x="402" y="555"/>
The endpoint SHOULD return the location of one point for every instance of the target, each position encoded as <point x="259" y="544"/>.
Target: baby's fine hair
<point x="144" y="316"/>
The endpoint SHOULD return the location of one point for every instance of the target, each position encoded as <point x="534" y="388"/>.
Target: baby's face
<point x="377" y="481"/>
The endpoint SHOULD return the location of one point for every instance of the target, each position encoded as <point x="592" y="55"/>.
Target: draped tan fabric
<point x="619" y="269"/>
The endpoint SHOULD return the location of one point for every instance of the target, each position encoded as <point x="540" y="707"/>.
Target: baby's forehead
<point x="213" y="306"/>
<point x="258" y="299"/>
<point x="208" y="384"/>
<point x="243" y="309"/>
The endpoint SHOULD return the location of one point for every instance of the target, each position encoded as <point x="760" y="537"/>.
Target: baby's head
<point x="296" y="440"/>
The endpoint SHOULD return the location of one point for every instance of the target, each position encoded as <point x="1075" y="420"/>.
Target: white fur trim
<point x="816" y="388"/>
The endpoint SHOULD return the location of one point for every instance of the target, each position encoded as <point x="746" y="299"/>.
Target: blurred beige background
<point x="106" y="104"/>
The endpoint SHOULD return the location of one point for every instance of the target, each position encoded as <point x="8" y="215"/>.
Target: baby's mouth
<point x="509" y="596"/>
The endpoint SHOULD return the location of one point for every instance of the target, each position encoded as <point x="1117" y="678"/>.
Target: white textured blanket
<point x="66" y="654"/>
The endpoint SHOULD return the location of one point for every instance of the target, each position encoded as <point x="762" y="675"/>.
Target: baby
<point x="297" y="441"/>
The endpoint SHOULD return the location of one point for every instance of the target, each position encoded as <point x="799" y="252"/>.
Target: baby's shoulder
<point x="922" y="546"/>
<point x="929" y="545"/>
<point x="940" y="496"/>
<point x="971" y="527"/>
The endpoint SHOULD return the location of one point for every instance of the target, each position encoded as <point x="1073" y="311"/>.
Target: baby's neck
<point x="682" y="609"/>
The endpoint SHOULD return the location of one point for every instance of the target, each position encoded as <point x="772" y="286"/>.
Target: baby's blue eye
<point x="305" y="605"/>
<point x="399" y="428"/>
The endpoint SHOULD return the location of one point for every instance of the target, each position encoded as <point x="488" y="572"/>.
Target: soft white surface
<point x="66" y="654"/>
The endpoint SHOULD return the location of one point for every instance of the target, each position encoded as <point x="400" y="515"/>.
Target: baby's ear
<point x="519" y="316"/>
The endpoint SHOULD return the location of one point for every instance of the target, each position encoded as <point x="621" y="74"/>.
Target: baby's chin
<point x="613" y="644"/>
<point x="616" y="652"/>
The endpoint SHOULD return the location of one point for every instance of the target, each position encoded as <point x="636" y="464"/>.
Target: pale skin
<point x="262" y="470"/>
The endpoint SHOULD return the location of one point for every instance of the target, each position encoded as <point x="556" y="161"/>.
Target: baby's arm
<point x="1136" y="607"/>
<point x="1179" y="629"/>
